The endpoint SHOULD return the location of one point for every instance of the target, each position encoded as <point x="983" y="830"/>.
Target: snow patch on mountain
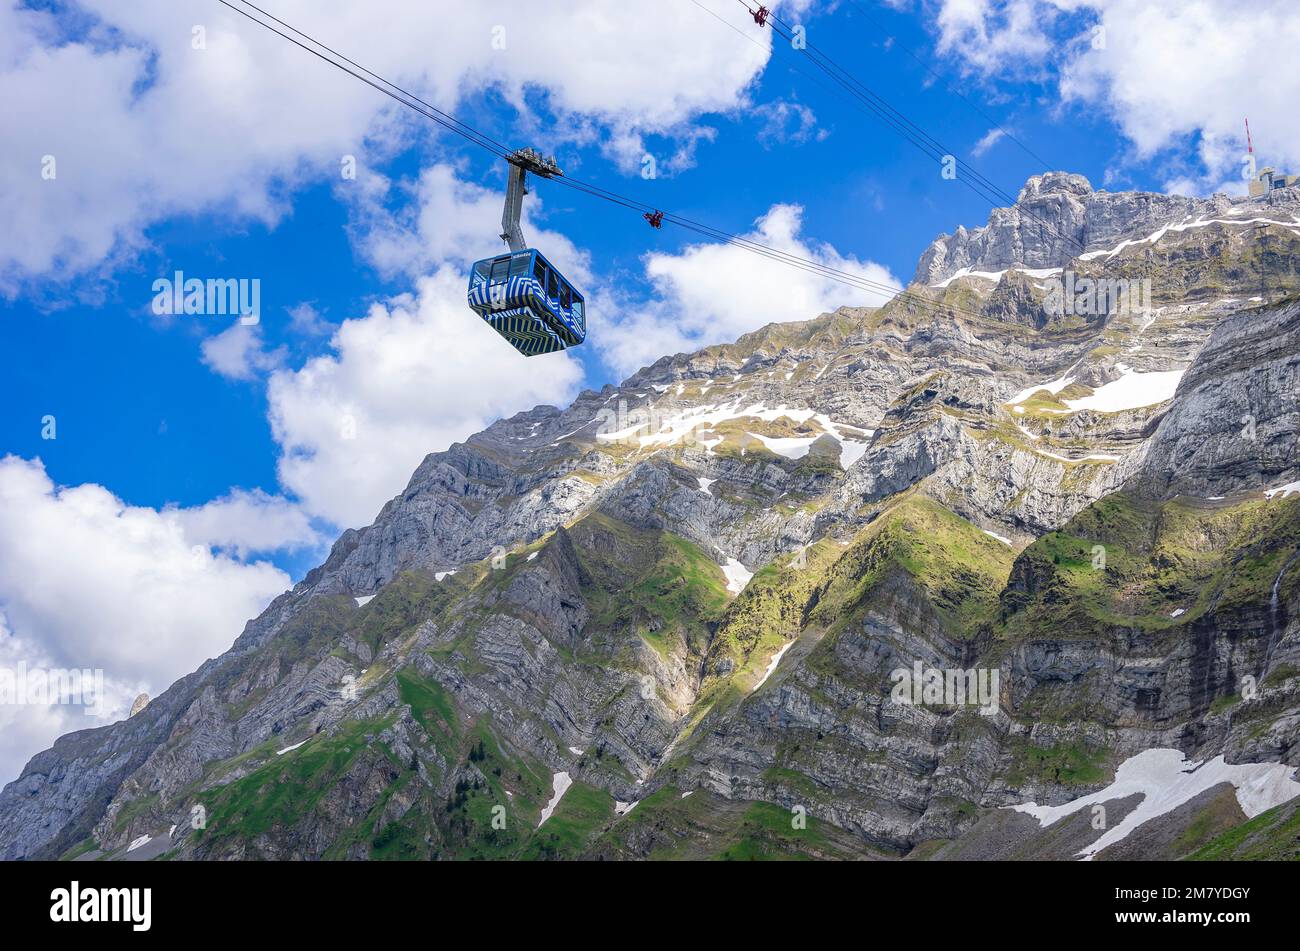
<point x="1283" y="490"/>
<point x="674" y="428"/>
<point x="1090" y="457"/>
<point x="1166" y="779"/>
<point x="1159" y="233"/>
<point x="851" y="450"/>
<point x="995" y="276"/>
<point x="791" y="447"/>
<point x="1131" y="391"/>
<point x="771" y="667"/>
<point x="737" y="575"/>
<point x="1052" y="386"/>
<point x="560" y="784"/>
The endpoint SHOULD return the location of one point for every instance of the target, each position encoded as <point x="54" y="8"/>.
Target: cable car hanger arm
<point x="522" y="161"/>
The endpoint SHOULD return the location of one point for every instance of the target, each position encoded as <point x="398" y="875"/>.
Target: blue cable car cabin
<point x="526" y="300"/>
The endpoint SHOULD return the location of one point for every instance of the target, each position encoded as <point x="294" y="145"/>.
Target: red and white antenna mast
<point x="1250" y="149"/>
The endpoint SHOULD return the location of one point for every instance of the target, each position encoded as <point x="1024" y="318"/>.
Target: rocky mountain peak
<point x="1050" y="183"/>
<point x="1058" y="220"/>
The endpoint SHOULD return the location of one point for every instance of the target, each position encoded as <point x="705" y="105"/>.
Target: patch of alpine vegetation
<point x="676" y="618"/>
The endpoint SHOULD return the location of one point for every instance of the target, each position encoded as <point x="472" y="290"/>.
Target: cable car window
<point x="565" y="299"/>
<point x="499" y="267"/>
<point x="577" y="309"/>
<point x="539" y="271"/>
<point x="519" y="265"/>
<point x="552" y="286"/>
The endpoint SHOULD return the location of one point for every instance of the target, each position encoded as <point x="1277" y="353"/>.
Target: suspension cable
<point x="468" y="132"/>
<point x="900" y="123"/>
<point x="1047" y="166"/>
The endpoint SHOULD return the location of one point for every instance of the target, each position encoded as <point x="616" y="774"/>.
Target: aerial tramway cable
<point x="1047" y="166"/>
<point x="484" y="141"/>
<point x="898" y="121"/>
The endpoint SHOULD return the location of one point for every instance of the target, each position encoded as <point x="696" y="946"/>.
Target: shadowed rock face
<point x="1235" y="424"/>
<point x="928" y="483"/>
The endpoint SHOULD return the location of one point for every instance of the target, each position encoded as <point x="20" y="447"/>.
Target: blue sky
<point x="187" y="434"/>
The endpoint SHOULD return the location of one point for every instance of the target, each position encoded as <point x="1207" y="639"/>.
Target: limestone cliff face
<point x="1235" y="424"/>
<point x="690" y="592"/>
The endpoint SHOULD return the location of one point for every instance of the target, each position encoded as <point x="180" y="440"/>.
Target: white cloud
<point x="149" y="127"/>
<point x="247" y="523"/>
<point x="32" y="725"/>
<point x="1168" y="72"/>
<point x="996" y="36"/>
<point x="306" y="321"/>
<point x="987" y="141"/>
<point x="713" y="293"/>
<point x="238" y="353"/>
<point x="409" y="378"/>
<point x="441" y="219"/>
<point x="91" y="582"/>
<point x="1173" y="70"/>
<point x="788" y="123"/>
